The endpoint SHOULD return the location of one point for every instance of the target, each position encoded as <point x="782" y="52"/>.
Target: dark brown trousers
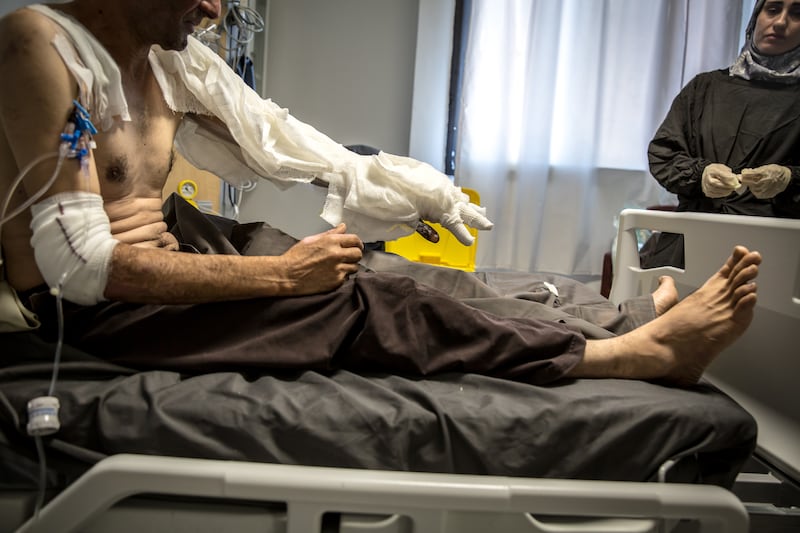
<point x="376" y="321"/>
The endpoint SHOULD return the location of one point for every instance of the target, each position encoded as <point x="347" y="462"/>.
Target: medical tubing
<point x="42" y="476"/>
<point x="43" y="411"/>
<point x="52" y="425"/>
<point x="240" y="25"/>
<point x="50" y="394"/>
<point x="60" y="341"/>
<point x="244" y="19"/>
<point x="61" y="154"/>
<point x="37" y="437"/>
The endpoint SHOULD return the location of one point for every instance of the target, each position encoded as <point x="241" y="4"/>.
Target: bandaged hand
<point x="766" y="181"/>
<point x="415" y="185"/>
<point x="719" y="180"/>
<point x="471" y="214"/>
<point x="462" y="215"/>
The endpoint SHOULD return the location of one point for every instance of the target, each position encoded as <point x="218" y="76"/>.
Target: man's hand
<point x="766" y="181"/>
<point x="322" y="262"/>
<point x="719" y="181"/>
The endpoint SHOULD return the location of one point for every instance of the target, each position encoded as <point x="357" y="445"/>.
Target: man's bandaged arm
<point x="77" y="254"/>
<point x="72" y="244"/>
<point x="378" y="197"/>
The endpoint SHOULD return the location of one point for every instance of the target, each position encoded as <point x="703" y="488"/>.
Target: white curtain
<point x="560" y="100"/>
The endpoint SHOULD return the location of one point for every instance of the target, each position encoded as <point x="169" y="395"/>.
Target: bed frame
<point x="242" y="496"/>
<point x="761" y="369"/>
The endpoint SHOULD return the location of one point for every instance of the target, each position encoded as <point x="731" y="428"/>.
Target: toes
<point x="744" y="275"/>
<point x="740" y="251"/>
<point x="746" y="302"/>
<point x="666" y="282"/>
<point x="744" y="290"/>
<point x="734" y="259"/>
<point x="745" y="269"/>
<point x="753" y="258"/>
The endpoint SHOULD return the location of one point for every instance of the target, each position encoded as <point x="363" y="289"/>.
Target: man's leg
<point x="383" y="322"/>
<point x="374" y="322"/>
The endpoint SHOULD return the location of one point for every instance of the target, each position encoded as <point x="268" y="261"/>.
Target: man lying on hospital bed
<point x="95" y="247"/>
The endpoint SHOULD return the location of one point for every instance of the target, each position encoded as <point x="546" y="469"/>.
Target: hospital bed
<point x="307" y="452"/>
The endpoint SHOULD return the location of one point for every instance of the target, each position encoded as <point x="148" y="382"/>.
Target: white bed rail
<point x="761" y="370"/>
<point x="708" y="240"/>
<point x="432" y="502"/>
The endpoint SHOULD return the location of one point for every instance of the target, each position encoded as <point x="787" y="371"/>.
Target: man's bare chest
<point x="135" y="157"/>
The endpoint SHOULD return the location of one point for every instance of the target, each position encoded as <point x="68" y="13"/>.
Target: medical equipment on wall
<point x="240" y="24"/>
<point x="187" y="189"/>
<point x="237" y="30"/>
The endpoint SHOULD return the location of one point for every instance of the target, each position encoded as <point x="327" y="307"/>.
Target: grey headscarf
<point x="753" y="65"/>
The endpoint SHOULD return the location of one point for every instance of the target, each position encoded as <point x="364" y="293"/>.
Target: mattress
<point x="622" y="430"/>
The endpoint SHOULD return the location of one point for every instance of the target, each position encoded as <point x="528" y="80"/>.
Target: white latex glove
<point x="766" y="181"/>
<point x="719" y="180"/>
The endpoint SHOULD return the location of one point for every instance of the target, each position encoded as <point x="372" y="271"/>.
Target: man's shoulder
<point x="26" y="38"/>
<point x="40" y="74"/>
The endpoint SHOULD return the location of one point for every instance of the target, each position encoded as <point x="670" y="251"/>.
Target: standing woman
<point x="731" y="140"/>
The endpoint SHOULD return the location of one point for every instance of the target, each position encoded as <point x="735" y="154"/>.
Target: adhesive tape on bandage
<point x="72" y="243"/>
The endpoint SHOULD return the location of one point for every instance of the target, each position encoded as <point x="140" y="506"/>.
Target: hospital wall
<point x="6" y="6"/>
<point x="346" y="68"/>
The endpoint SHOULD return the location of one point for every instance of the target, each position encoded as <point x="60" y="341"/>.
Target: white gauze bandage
<point x="379" y="197"/>
<point x="72" y="243"/>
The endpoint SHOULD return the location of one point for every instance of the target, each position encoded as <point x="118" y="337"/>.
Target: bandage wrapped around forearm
<point x="719" y="180"/>
<point x="72" y="243"/>
<point x="766" y="181"/>
<point x="379" y="197"/>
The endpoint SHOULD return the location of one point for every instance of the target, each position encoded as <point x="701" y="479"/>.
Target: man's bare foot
<point x="665" y="296"/>
<point x="681" y="343"/>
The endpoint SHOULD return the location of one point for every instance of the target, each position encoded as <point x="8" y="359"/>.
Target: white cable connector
<point x="43" y="416"/>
